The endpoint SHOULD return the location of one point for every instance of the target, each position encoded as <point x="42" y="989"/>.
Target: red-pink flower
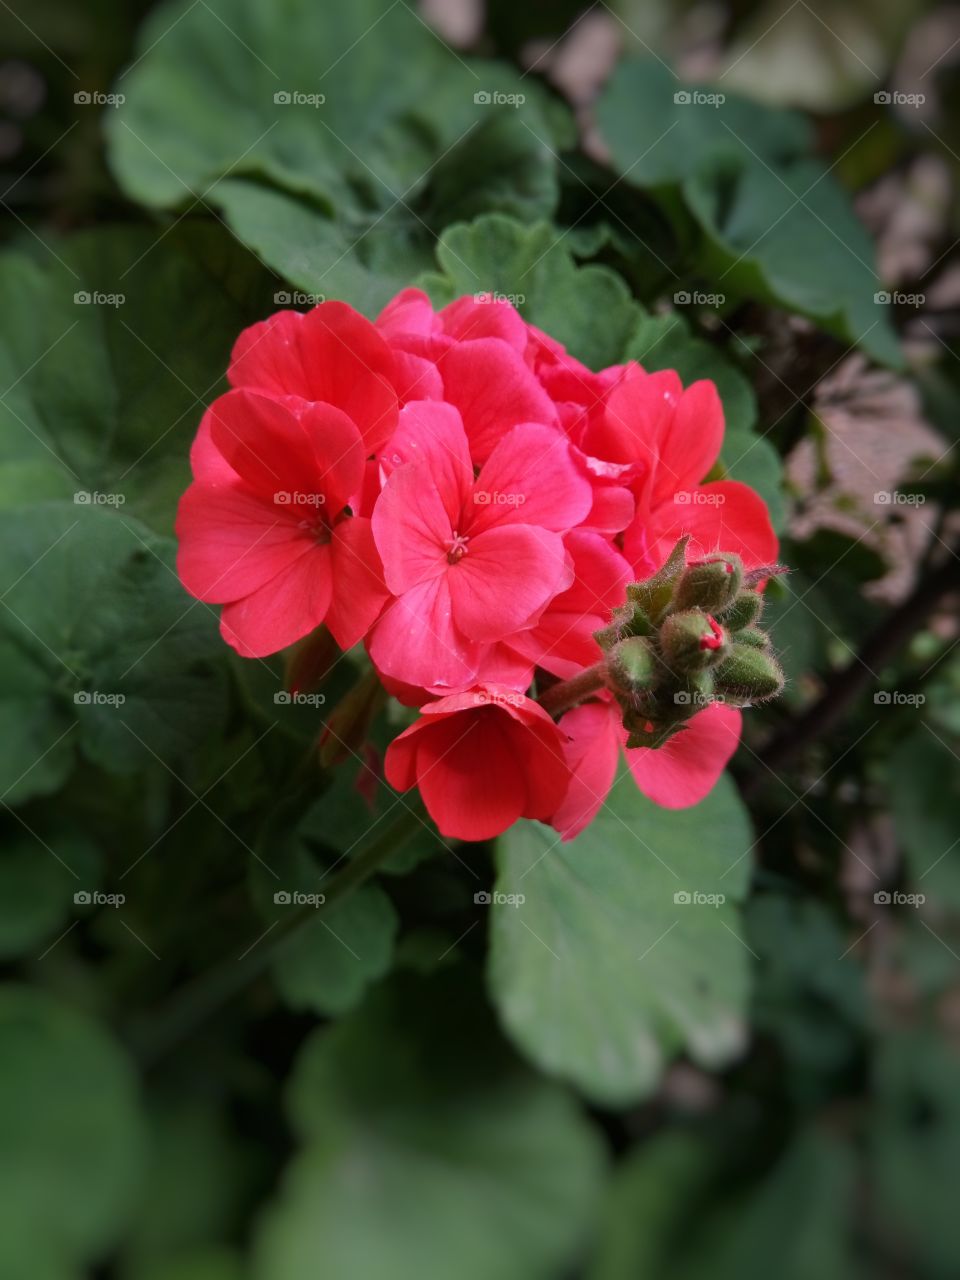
<point x="469" y="561"/>
<point x="481" y="759"/>
<point x="266" y="528"/>
<point x="678" y="774"/>
<point x="332" y="355"/>
<point x="470" y="354"/>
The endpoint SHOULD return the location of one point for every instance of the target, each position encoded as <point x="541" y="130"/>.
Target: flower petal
<point x="494" y="391"/>
<point x="531" y="478"/>
<point x="685" y="769"/>
<point x="415" y="640"/>
<point x="592" y="749"/>
<point x="330" y="354"/>
<point x="232" y="541"/>
<point x="723" y="516"/>
<point x="285" y="609"/>
<point x="507" y="576"/>
<point x="359" y="592"/>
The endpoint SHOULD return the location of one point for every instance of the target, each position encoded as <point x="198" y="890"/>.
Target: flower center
<point x="457" y="547"/>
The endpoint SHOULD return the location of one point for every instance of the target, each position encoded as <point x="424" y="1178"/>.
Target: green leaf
<point x="777" y="225"/>
<point x="336" y="141"/>
<point x="109" y="653"/>
<point x="427" y="1153"/>
<point x="588" y="309"/>
<point x="602" y="975"/>
<point x="665" y="1218"/>
<point x="665" y="342"/>
<point x="326" y="966"/>
<point x="38" y="878"/>
<point x="915" y="1148"/>
<point x="924" y="790"/>
<point x="106" y="395"/>
<point x="70" y="1133"/>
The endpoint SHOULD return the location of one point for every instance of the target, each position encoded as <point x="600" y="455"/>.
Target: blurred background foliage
<point x="600" y="1083"/>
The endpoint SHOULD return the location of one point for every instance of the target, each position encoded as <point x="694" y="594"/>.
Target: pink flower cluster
<point x="455" y="490"/>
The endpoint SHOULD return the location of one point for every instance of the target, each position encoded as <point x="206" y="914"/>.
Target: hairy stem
<point x="570" y="693"/>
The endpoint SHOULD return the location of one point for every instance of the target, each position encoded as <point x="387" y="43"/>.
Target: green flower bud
<point x="710" y="584"/>
<point x="626" y="620"/>
<point x="743" y="612"/>
<point x="691" y="641"/>
<point x="753" y="636"/>
<point x="632" y="666"/>
<point x="748" y="675"/>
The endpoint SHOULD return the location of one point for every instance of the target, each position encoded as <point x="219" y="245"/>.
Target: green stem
<point x="570" y="693"/>
<point x="205" y="994"/>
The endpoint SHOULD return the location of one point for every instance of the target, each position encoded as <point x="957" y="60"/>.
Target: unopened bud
<point x="748" y="674"/>
<point x="753" y="636"/>
<point x="710" y="584"/>
<point x="654" y="595"/>
<point x="743" y="612"/>
<point x="691" y="641"/>
<point x="632" y="666"/>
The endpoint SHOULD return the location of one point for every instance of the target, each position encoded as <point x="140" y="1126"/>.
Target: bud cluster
<point x="687" y="637"/>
